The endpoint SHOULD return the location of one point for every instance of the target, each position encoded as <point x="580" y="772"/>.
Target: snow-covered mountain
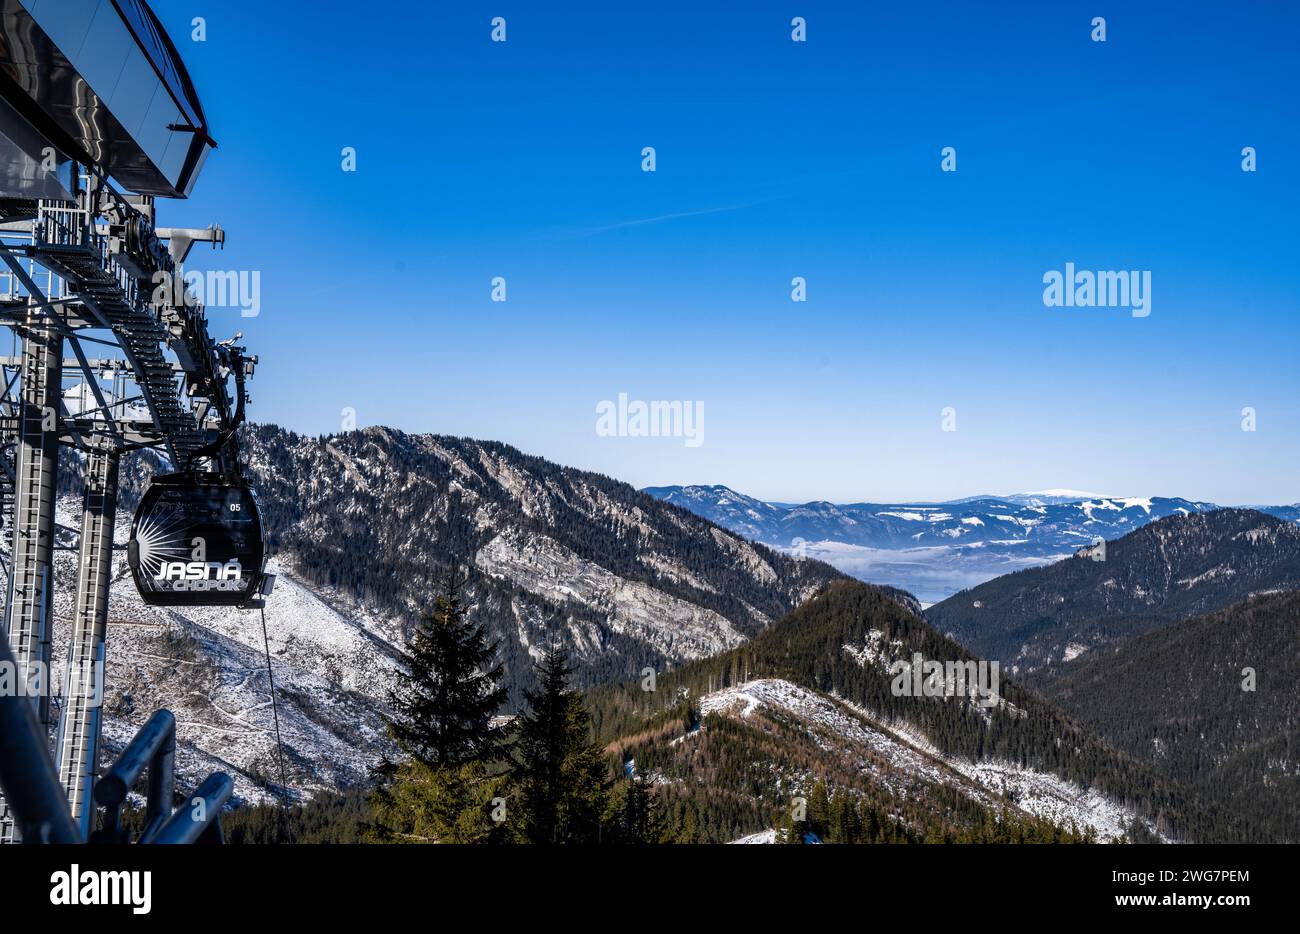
<point x="901" y="759"/>
<point x="1052" y="522"/>
<point x="551" y="554"/>
<point x="739" y="738"/>
<point x="1038" y="498"/>
<point x="1050" y="497"/>
<point x="364" y="527"/>
<point x="935" y="549"/>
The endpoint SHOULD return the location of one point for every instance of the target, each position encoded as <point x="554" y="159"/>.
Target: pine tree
<point x="425" y="804"/>
<point x="688" y="827"/>
<point x="819" y="811"/>
<point x="560" y="772"/>
<point x="444" y="702"/>
<point x="793" y="826"/>
<point x="845" y="825"/>
<point x="449" y="790"/>
<point x="790" y="831"/>
<point x="633" y="815"/>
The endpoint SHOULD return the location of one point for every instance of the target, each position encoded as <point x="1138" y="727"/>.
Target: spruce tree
<point x="846" y="824"/>
<point x="444" y="701"/>
<point x="449" y="788"/>
<point x="439" y="805"/>
<point x="560" y="773"/>
<point x="790" y="831"/>
<point x="633" y="815"/>
<point x="819" y="811"/>
<point x="688" y="830"/>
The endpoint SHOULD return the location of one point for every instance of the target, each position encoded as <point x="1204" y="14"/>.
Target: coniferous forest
<point x="491" y="730"/>
<point x="623" y="764"/>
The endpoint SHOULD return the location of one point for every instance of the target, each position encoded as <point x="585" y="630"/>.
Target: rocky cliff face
<point x="364" y="528"/>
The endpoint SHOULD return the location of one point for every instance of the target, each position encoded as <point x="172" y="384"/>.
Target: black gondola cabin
<point x="197" y="541"/>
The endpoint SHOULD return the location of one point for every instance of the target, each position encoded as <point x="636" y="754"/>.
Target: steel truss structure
<point x="106" y="361"/>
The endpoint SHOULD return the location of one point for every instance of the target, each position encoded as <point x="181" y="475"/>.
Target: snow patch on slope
<point x="905" y="747"/>
<point x="208" y="666"/>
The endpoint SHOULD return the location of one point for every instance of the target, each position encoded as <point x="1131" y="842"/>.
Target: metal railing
<point x="39" y="808"/>
<point x="154" y="750"/>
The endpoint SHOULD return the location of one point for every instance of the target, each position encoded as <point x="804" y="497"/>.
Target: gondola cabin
<point x="197" y="541"/>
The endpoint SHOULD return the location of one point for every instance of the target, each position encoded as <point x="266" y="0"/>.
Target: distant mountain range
<point x="773" y="668"/>
<point x="935" y="549"/>
<point x="1167" y="571"/>
<point x="1040" y="498"/>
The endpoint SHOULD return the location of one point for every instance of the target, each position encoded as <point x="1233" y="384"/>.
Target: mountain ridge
<point x="363" y="524"/>
<point x="1161" y="573"/>
<point x="1230" y="731"/>
<point x="363" y="528"/>
<point x="935" y="549"/>
<point x="829" y="662"/>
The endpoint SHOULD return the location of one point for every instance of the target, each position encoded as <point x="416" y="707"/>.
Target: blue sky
<point x="774" y="159"/>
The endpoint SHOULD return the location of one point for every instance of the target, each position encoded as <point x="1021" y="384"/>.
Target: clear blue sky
<point x="775" y="159"/>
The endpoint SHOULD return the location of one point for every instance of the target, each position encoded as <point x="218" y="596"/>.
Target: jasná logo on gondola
<point x="202" y="575"/>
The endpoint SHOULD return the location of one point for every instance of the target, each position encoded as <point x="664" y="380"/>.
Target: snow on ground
<point x="835" y="723"/>
<point x="1051" y="796"/>
<point x="207" y="665"/>
<point x="905" y="748"/>
<point x="763" y="836"/>
<point x="873" y="650"/>
<point x="1039" y="793"/>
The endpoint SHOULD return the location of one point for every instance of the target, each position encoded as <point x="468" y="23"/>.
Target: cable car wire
<point x="275" y="710"/>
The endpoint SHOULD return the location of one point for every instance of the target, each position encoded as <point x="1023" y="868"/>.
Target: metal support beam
<point x="29" y="609"/>
<point x="79" y="728"/>
<point x="183" y="407"/>
<point x="180" y="240"/>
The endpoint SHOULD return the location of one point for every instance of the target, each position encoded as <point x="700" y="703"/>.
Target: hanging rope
<point x="275" y="709"/>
